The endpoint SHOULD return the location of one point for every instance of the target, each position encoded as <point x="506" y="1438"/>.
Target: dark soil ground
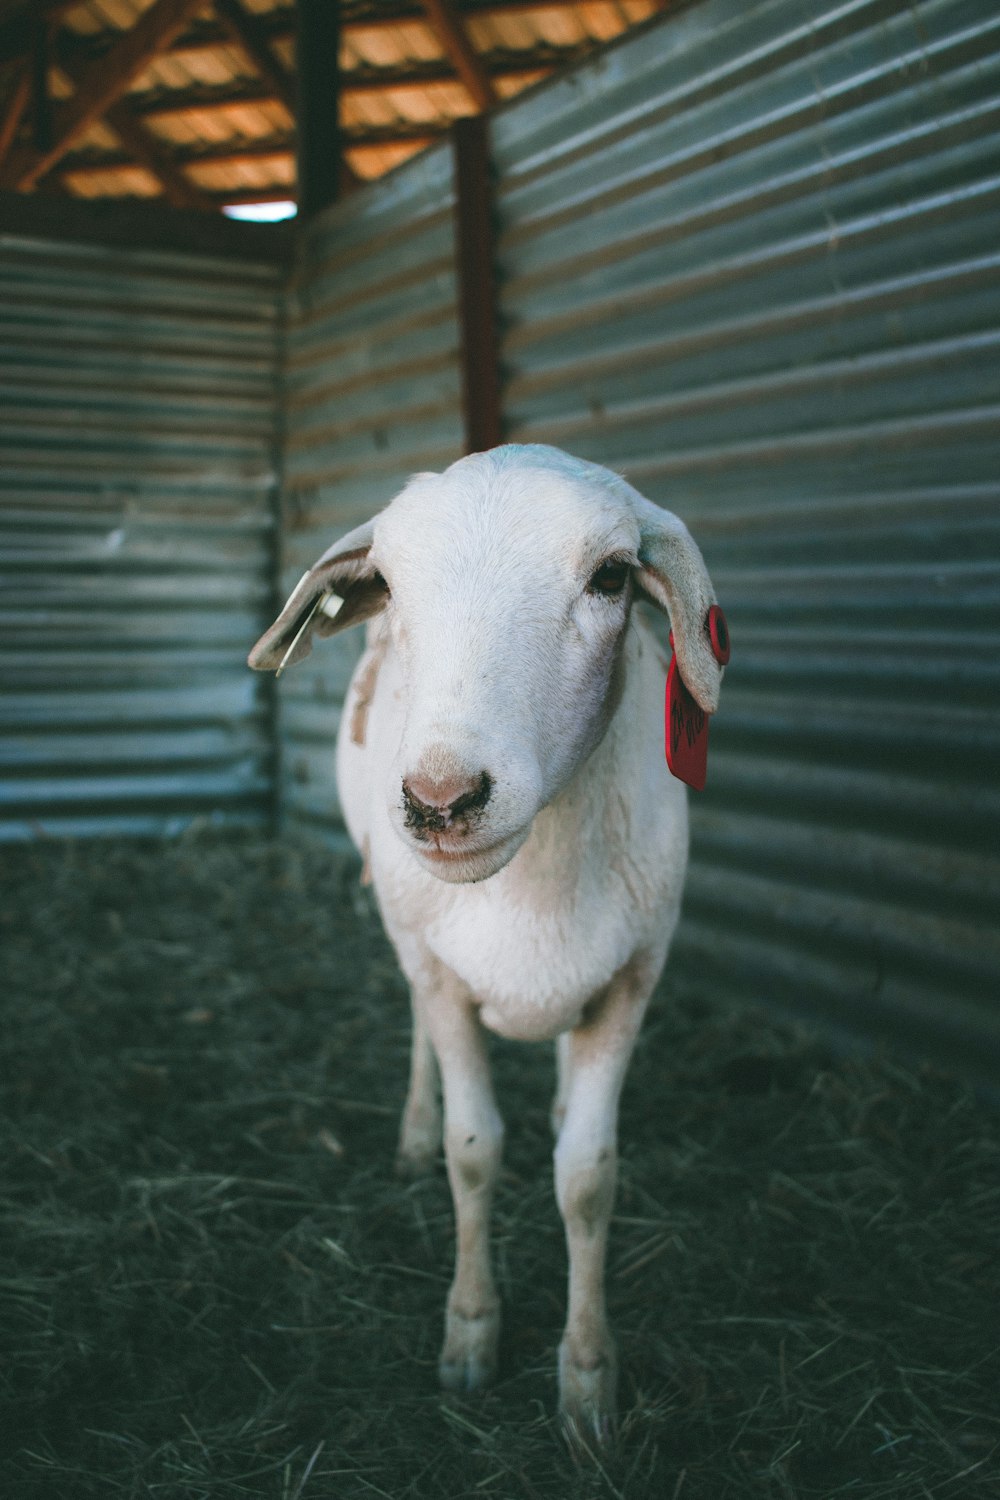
<point x="212" y="1285"/>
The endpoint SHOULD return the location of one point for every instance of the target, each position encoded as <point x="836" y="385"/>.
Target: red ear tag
<point x="685" y="732"/>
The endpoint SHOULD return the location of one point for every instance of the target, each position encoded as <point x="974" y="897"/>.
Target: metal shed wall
<point x="138" y="443"/>
<point x="750" y="258"/>
<point x="372" y="395"/>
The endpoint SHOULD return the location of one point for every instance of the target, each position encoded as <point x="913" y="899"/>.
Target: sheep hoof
<point x="469" y="1354"/>
<point x="588" y="1399"/>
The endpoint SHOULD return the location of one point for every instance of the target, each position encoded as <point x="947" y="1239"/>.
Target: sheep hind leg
<point x="563" y="1067"/>
<point x="420" y="1130"/>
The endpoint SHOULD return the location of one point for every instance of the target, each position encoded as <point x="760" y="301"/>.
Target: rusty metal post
<point x="474" y="252"/>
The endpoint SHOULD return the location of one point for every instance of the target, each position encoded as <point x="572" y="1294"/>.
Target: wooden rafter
<point x="281" y="146"/>
<point x="149" y="150"/>
<point x="100" y="85"/>
<point x="249" y="34"/>
<point x="14" y="106"/>
<point x="155" y="157"/>
<point x="103" y="67"/>
<point x="451" y="33"/>
<point x="354" y="82"/>
<point x="204" y="33"/>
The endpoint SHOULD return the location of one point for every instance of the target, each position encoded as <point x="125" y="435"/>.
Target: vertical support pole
<point x="318" y="135"/>
<point x="474" y="252"/>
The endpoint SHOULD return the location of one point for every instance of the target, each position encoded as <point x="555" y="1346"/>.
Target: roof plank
<point x="251" y="36"/>
<point x="154" y="155"/>
<point x="278" y="25"/>
<point x="160" y="103"/>
<point x="149" y="150"/>
<point x="101" y="84"/>
<point x="279" y="144"/>
<point x="205" y="124"/>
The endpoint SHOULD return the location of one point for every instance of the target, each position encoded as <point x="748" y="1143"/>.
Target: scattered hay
<point x="213" y="1287"/>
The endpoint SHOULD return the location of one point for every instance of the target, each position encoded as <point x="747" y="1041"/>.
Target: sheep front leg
<point x="473" y="1144"/>
<point x="595" y="1061"/>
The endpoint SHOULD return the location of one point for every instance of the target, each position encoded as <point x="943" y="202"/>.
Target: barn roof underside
<point x="193" y="101"/>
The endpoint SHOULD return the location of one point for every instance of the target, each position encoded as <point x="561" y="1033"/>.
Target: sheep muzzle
<point x="448" y="805"/>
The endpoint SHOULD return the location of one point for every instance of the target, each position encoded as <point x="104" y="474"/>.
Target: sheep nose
<point x="434" y="804"/>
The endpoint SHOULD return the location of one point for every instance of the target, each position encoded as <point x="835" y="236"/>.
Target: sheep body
<point x="500" y="765"/>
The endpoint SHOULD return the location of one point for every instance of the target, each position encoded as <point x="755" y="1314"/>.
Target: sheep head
<point x="507" y="583"/>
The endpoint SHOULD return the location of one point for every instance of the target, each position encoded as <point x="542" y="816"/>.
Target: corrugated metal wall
<point x="372" y="395"/>
<point x="138" y="442"/>
<point x="750" y="258"/>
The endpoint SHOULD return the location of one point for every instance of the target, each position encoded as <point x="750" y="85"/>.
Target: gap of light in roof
<point x="261" y="213"/>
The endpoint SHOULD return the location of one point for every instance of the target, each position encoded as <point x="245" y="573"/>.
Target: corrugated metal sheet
<point x="372" y="395"/>
<point x="138" y="440"/>
<point x="750" y="257"/>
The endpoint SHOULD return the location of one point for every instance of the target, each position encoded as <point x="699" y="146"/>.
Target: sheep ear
<point x="673" y="575"/>
<point x="342" y="588"/>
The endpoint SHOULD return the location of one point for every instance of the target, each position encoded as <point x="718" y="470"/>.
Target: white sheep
<point x="501" y="768"/>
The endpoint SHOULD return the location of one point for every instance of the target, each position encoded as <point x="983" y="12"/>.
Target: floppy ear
<point x="673" y="575"/>
<point x="339" y="590"/>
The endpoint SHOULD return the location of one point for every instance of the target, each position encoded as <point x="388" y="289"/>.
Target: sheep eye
<point x="379" y="582"/>
<point x="610" y="578"/>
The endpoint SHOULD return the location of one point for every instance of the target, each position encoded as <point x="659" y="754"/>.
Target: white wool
<point x="501" y="765"/>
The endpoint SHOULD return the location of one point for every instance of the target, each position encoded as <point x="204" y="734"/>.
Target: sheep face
<point x="508" y="594"/>
<point x="506" y="585"/>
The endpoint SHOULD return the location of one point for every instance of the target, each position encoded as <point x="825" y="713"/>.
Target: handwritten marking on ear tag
<point x="685" y="721"/>
<point x="685" y="732"/>
<point x="318" y="603"/>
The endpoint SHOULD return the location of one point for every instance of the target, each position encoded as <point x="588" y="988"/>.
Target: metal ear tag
<point x="317" y="604"/>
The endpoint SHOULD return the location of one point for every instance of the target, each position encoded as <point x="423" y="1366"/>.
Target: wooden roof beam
<point x="162" y="103"/>
<point x="230" y="154"/>
<point x="14" y="106"/>
<point x="149" y="151"/>
<point x="280" y="27"/>
<point x="451" y="33"/>
<point x="251" y="36"/>
<point x="154" y="155"/>
<point x="101" y="84"/>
